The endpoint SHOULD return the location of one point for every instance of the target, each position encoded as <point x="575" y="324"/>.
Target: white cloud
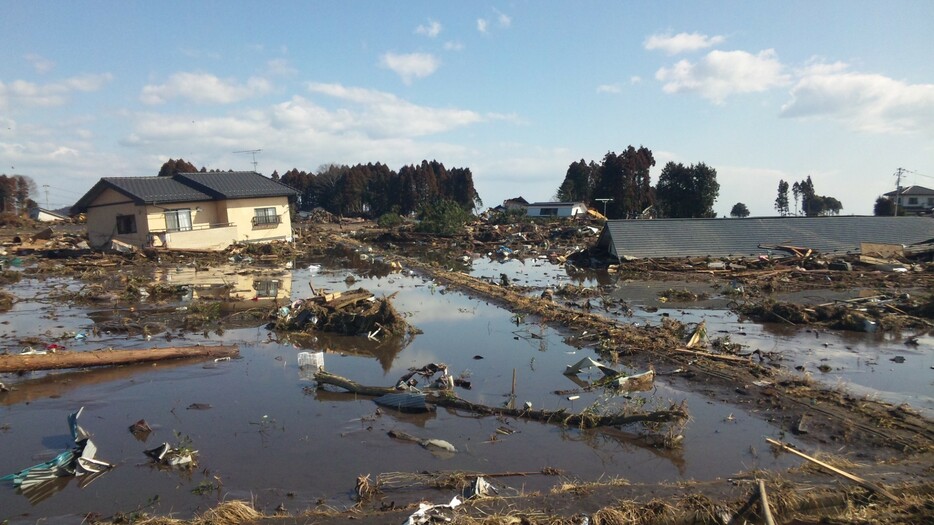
<point x="503" y="19"/>
<point x="635" y="79"/>
<point x="452" y="45"/>
<point x="382" y="114"/>
<point x="410" y="66"/>
<point x="39" y="63"/>
<point x="866" y="102"/>
<point x="204" y="88"/>
<point x="482" y="24"/>
<point x="281" y="67"/>
<point x="681" y="43"/>
<point x="431" y="30"/>
<point x="724" y="73"/>
<point x="609" y="88"/>
<point x="52" y="94"/>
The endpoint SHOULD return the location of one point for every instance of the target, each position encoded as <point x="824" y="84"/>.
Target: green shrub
<point x="443" y="217"/>
<point x="389" y="220"/>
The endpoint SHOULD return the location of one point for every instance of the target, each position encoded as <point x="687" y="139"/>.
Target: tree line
<point x="621" y="185"/>
<point x="812" y="204"/>
<point x="15" y="191"/>
<point x="370" y="190"/>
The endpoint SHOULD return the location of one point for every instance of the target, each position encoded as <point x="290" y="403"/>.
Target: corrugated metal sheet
<point x="742" y="237"/>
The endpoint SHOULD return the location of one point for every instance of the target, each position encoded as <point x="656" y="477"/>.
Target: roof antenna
<point x="252" y="152"/>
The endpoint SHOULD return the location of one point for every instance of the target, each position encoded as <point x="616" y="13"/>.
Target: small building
<point x="44" y="215"/>
<point x="752" y="237"/>
<point x="556" y="209"/>
<point x="913" y="199"/>
<point x="516" y="203"/>
<point x="202" y="211"/>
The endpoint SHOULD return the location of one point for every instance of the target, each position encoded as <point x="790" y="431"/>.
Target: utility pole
<point x="898" y="187"/>
<point x="252" y="152"/>
<point x="46" y="186"/>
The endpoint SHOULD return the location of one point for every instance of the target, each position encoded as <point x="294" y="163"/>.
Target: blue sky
<point x="842" y="91"/>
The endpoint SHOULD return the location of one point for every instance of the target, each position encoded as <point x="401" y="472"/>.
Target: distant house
<point x="913" y="199"/>
<point x="516" y="203"/>
<point x="204" y="211"/>
<point x="44" y="215"/>
<point x="749" y="238"/>
<point x="556" y="209"/>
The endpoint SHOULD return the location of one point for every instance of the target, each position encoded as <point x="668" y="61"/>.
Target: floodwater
<point x="262" y="436"/>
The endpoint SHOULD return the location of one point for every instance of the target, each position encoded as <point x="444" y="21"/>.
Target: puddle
<point x="263" y="437"/>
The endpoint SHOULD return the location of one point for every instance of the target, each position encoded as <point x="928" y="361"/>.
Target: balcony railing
<point x="197" y="227"/>
<point x="266" y="221"/>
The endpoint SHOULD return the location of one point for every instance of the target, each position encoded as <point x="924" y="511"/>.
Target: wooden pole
<point x="878" y="489"/>
<point x="108" y="357"/>
<point x="764" y="501"/>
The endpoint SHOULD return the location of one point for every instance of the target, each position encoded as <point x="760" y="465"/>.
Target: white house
<point x="556" y="209"/>
<point x="44" y="215"/>
<point x="913" y="199"/>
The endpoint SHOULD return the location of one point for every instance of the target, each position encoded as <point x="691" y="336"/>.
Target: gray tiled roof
<point x="187" y="187"/>
<point x="235" y="184"/>
<point x="742" y="237"/>
<point x="912" y="190"/>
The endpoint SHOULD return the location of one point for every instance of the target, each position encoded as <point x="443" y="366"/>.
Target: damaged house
<point x="750" y="238"/>
<point x="556" y="209"/>
<point x="200" y="211"/>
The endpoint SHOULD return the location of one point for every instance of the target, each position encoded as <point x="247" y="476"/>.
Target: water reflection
<point x="384" y="350"/>
<point x="59" y="384"/>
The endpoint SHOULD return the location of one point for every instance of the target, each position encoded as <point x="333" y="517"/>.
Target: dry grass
<point x="227" y="513"/>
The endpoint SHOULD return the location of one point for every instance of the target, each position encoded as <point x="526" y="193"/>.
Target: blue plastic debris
<point x="38" y="481"/>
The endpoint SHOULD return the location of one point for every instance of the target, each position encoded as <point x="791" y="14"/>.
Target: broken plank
<point x="109" y="357"/>
<point x="872" y="487"/>
<point x="722" y="357"/>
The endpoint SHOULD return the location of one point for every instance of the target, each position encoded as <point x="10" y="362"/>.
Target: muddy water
<point x="262" y="436"/>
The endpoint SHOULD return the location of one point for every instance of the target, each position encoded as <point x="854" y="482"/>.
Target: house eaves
<point x="142" y="190"/>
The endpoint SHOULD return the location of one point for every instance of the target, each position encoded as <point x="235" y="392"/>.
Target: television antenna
<point x="604" y="201"/>
<point x="252" y="152"/>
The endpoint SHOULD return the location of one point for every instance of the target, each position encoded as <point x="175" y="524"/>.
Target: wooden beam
<point x="108" y="357"/>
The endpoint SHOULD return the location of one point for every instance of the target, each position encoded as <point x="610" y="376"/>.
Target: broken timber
<point x="448" y="400"/>
<point x="109" y="357"/>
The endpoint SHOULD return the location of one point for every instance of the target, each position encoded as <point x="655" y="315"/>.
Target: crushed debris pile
<point x="354" y="312"/>
<point x="869" y="314"/>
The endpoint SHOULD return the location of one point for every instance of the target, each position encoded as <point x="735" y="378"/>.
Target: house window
<point x="548" y="212"/>
<point x="126" y="224"/>
<point x="266" y="288"/>
<point x="930" y="201"/>
<point x="178" y="220"/>
<point x="912" y="201"/>
<point x="265" y="218"/>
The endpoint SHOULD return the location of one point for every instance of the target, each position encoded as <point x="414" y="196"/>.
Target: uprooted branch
<point x="445" y="398"/>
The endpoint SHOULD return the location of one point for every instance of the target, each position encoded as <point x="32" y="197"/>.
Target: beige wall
<point x="206" y="218"/>
<point x="102" y="220"/>
<point x="241" y="212"/>
<point x="203" y="214"/>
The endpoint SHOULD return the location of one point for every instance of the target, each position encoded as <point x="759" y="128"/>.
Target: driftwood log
<point x="109" y="357"/>
<point x="447" y="399"/>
